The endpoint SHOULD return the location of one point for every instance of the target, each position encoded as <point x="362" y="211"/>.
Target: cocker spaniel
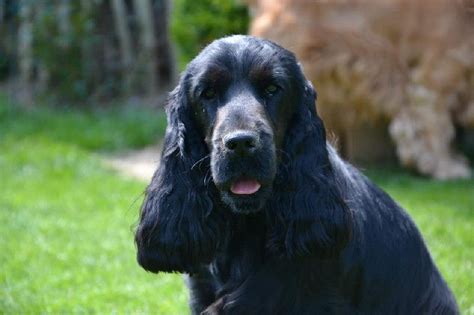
<point x="259" y="211"/>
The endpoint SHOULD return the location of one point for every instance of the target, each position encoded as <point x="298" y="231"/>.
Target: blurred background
<point x="82" y="89"/>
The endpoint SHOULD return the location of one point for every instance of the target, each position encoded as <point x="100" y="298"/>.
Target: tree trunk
<point x="63" y="16"/>
<point x="2" y="12"/>
<point x="124" y="37"/>
<point x="25" y="52"/>
<point x="106" y="55"/>
<point x="163" y="53"/>
<point x="146" y="58"/>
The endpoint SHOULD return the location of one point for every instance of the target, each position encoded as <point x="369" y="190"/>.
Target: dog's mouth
<point x="245" y="187"/>
<point x="245" y="184"/>
<point x="245" y="195"/>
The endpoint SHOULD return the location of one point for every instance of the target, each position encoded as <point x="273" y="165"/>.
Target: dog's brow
<point x="267" y="75"/>
<point x="261" y="72"/>
<point x="214" y="73"/>
<point x="265" y="71"/>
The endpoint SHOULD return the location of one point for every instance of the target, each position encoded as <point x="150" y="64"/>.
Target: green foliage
<point x="195" y="23"/>
<point x="4" y="64"/>
<point x="61" y="53"/>
<point x="7" y="49"/>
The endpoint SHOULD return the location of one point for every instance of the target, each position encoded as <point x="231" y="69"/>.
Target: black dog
<point x="260" y="211"/>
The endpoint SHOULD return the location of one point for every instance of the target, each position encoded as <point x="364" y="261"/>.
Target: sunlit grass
<point x="66" y="219"/>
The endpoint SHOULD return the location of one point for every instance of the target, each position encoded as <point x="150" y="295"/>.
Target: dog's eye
<point x="271" y="89"/>
<point x="209" y="93"/>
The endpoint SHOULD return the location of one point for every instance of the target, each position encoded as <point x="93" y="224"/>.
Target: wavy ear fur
<point x="178" y="227"/>
<point x="308" y="213"/>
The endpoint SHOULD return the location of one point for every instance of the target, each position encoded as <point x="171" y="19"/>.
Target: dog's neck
<point x="243" y="250"/>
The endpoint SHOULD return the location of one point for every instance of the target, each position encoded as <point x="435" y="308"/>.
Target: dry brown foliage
<point x="406" y="65"/>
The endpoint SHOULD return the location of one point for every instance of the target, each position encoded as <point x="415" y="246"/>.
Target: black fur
<point x="317" y="237"/>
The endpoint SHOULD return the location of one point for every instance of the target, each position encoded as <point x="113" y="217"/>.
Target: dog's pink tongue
<point x="245" y="187"/>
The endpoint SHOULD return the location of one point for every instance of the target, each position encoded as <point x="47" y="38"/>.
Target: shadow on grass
<point x="99" y="130"/>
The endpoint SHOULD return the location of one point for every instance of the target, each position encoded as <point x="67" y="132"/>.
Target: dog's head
<point x="242" y="134"/>
<point x="242" y="91"/>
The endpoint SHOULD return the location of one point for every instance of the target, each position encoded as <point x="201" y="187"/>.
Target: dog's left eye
<point x="209" y="93"/>
<point x="271" y="89"/>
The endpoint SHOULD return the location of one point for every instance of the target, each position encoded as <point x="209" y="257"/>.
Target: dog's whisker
<point x="201" y="160"/>
<point x="207" y="177"/>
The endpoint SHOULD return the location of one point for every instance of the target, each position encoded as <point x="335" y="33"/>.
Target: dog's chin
<point x="246" y="204"/>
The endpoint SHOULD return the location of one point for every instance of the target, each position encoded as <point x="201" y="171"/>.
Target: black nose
<point x="241" y="142"/>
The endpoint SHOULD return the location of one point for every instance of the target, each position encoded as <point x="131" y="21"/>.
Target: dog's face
<point x="244" y="115"/>
<point x="242" y="94"/>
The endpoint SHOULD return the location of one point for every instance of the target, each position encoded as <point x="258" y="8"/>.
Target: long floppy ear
<point x="178" y="227"/>
<point x="308" y="213"/>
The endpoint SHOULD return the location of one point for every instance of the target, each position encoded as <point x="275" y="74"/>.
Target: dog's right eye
<point x="209" y="93"/>
<point x="271" y="88"/>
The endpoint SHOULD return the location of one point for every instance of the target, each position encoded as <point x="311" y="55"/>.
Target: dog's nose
<point x="241" y="142"/>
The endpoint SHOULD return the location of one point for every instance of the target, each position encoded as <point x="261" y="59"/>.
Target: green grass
<point x="67" y="220"/>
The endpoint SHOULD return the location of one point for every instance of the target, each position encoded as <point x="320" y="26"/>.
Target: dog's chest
<point x="243" y="253"/>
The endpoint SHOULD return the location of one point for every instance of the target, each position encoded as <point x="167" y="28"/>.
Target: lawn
<point x="67" y="220"/>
